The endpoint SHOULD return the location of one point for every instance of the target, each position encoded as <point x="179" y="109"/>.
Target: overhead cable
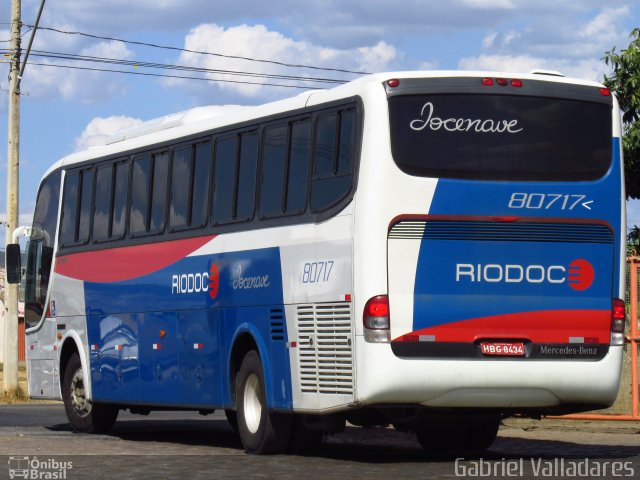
<point x="215" y="54"/>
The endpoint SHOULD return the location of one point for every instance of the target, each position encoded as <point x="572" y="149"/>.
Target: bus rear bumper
<point x="509" y="384"/>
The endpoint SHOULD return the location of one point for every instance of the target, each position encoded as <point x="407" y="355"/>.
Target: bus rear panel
<point x="504" y="281"/>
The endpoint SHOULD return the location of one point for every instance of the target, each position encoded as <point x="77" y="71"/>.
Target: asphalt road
<point x="186" y="445"/>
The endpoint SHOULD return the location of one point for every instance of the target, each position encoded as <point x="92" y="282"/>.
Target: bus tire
<point x="232" y="418"/>
<point x="84" y="415"/>
<point x="480" y="437"/>
<point x="474" y="438"/>
<point x="261" y="431"/>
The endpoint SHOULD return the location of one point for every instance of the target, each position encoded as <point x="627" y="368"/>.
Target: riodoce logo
<point x="428" y="119"/>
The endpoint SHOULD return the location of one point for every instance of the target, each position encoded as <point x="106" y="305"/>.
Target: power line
<point x="167" y="76"/>
<point x="167" y="47"/>
<point x="164" y="66"/>
<point x="144" y="64"/>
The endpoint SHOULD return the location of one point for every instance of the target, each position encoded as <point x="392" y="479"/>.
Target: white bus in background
<point x="430" y="250"/>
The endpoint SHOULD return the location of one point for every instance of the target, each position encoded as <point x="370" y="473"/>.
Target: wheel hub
<point x="79" y="401"/>
<point x="252" y="404"/>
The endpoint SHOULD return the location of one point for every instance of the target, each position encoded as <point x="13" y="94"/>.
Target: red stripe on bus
<point x="546" y="326"/>
<point x="126" y="263"/>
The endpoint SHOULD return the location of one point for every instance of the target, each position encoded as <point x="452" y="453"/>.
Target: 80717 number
<point x="545" y="201"/>
<point x="317" y="272"/>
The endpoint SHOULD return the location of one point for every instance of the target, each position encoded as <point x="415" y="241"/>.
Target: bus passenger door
<point x="44" y="378"/>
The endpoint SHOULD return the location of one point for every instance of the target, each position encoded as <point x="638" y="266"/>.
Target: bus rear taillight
<point x="618" y="317"/>
<point x="376" y="320"/>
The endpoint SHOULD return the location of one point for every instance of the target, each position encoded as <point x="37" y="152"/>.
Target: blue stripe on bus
<point x="165" y="338"/>
<point x="438" y="294"/>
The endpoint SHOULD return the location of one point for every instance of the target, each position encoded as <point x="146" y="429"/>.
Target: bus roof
<point x="200" y="119"/>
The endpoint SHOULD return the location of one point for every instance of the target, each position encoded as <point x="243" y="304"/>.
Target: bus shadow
<point x="213" y="433"/>
<point x="392" y="447"/>
<point x="365" y="445"/>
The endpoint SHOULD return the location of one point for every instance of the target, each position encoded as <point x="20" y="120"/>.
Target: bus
<point x="432" y="251"/>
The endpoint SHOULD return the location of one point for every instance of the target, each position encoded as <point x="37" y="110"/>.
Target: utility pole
<point x="10" y="369"/>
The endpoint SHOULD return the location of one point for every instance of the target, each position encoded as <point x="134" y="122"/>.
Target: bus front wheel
<point x="84" y="415"/>
<point x="260" y="431"/>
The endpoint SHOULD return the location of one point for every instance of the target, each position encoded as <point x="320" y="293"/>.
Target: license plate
<point x="512" y="349"/>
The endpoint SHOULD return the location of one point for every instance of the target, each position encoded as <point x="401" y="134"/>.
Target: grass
<point x="17" y="394"/>
<point x="20" y="393"/>
<point x="14" y="395"/>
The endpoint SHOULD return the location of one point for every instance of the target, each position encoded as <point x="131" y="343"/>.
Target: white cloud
<point x="604" y="21"/>
<point x="48" y="81"/>
<point x="570" y="43"/>
<point x="100" y="129"/>
<point x="259" y="42"/>
<point x="377" y="57"/>
<point x="108" y="49"/>
<point x="489" y="4"/>
<point x="488" y="40"/>
<point x="588" y="69"/>
<point x="428" y="66"/>
<point x="502" y="63"/>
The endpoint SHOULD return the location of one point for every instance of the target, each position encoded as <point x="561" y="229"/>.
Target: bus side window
<point x="159" y="192"/>
<point x="102" y="206"/>
<point x="190" y="175"/>
<point x="120" y="194"/>
<point x="201" y="178"/>
<point x="274" y="163"/>
<point x="325" y="145"/>
<point x="333" y="159"/>
<point x="247" y="173"/>
<point x="69" y="209"/>
<point x="181" y="188"/>
<point x="140" y="186"/>
<point x="347" y="142"/>
<point x="86" y="197"/>
<point x="224" y="180"/>
<point x="298" y="174"/>
<point x="40" y="249"/>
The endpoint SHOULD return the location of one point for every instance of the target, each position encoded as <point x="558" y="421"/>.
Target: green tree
<point x="633" y="241"/>
<point x="624" y="81"/>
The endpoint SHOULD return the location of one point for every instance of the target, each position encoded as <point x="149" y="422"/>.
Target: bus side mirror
<point x="14" y="266"/>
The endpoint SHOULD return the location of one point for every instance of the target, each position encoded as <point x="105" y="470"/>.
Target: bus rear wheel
<point x="84" y="415"/>
<point x="261" y="431"/>
<point x="474" y="438"/>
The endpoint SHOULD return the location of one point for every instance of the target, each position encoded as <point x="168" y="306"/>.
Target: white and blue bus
<point x="429" y="250"/>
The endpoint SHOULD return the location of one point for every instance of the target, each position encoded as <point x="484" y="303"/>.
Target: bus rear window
<point x="500" y="137"/>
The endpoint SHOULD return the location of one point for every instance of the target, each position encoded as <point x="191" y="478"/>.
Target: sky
<point x="64" y="109"/>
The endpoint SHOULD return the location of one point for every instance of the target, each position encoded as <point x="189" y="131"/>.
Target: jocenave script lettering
<point x="428" y="119"/>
